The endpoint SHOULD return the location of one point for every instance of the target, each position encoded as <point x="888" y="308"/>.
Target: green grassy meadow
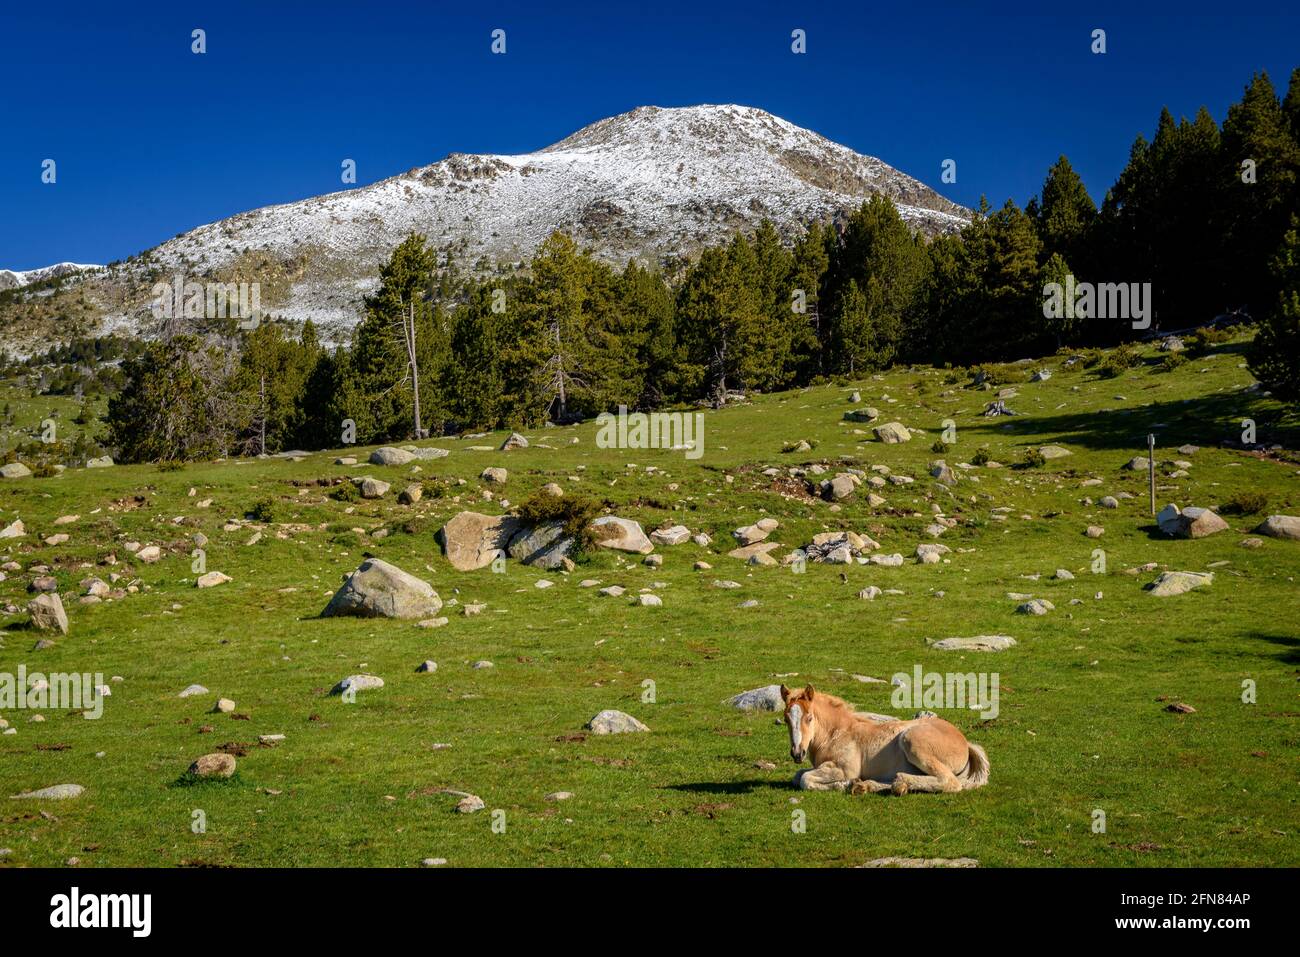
<point x="1082" y="723"/>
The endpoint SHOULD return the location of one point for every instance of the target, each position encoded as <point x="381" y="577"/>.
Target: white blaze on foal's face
<point x="799" y="717"/>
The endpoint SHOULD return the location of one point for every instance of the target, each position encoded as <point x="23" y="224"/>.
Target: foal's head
<point x="799" y="717"/>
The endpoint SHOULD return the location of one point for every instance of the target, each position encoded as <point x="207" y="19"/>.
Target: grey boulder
<point x="380" y="590"/>
<point x="622" y="534"/>
<point x="977" y="643"/>
<point x="767" y="698"/>
<point x="1280" y="526"/>
<point x="471" y="540"/>
<point x="391" y="456"/>
<point x="47" y="613"/>
<point x="1179" y="583"/>
<point x="892" y="433"/>
<point x="1190" y="522"/>
<point x="545" y="546"/>
<point x="614" y="722"/>
<point x="57" y="792"/>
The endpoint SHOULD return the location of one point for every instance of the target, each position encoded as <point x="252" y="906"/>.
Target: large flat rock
<point x="622" y="534"/>
<point x="1179" y="583"/>
<point x="471" y="540"/>
<point x="1280" y="526"/>
<point x="977" y="643"/>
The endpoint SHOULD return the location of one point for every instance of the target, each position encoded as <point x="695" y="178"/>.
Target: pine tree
<point x="878" y="253"/>
<point x="1062" y="328"/>
<point x="473" y="380"/>
<point x="854" y="338"/>
<point x="762" y="345"/>
<point x="271" y="375"/>
<point x="176" y="404"/>
<point x="1257" y="213"/>
<point x="646" y="310"/>
<point x="1124" y="248"/>
<point x="568" y="358"/>
<point x="1291" y="105"/>
<point x="1275" y="353"/>
<point x="810" y="262"/>
<point x="322" y="403"/>
<point x="935" y="337"/>
<point x="387" y="386"/>
<point x="791" y="348"/>
<point x="1066" y="214"/>
<point x="1162" y="222"/>
<point x="999" y="312"/>
<point x="725" y="338"/>
<point x="1191" y="263"/>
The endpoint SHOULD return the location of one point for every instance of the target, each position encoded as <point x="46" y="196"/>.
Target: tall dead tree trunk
<point x="262" y="429"/>
<point x="559" y="373"/>
<point x="817" y="336"/>
<point x="408" y="327"/>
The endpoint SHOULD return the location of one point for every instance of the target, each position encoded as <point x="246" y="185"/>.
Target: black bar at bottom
<point x="298" y="905"/>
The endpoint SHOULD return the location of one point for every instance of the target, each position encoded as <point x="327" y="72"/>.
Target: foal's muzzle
<point x="797" y="754"/>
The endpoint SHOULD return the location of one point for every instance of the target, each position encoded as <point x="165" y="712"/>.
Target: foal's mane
<point x="834" y="702"/>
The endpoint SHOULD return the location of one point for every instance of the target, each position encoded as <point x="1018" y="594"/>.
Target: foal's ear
<point x="808" y="692"/>
<point x="785" y="694"/>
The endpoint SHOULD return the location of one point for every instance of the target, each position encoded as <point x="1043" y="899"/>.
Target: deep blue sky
<point x="152" y="140"/>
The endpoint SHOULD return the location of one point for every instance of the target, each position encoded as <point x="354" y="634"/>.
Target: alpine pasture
<point x="1175" y="717"/>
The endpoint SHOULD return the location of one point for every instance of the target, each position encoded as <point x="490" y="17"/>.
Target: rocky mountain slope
<point x="651" y="184"/>
<point x="14" y="279"/>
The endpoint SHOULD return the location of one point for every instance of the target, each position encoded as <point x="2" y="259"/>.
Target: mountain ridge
<point x="17" y="278"/>
<point x="653" y="184"/>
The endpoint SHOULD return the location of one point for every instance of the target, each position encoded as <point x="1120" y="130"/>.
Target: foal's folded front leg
<point x="828" y="776"/>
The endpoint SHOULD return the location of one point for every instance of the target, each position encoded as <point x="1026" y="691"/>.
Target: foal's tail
<point x="977" y="768"/>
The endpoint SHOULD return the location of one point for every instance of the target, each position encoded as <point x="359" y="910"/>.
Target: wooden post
<point x="1151" y="468"/>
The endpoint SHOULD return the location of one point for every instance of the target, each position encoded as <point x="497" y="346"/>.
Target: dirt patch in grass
<point x="128" y="503"/>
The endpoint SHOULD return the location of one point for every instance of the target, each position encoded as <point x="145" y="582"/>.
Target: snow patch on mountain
<point x="651" y="184"/>
<point x="13" y="279"/>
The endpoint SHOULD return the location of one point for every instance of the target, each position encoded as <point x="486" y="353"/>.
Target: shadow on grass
<point x="191" y="780"/>
<point x="1290" y="653"/>
<point x="730" y="787"/>
<point x="1206" y="421"/>
<point x="1241" y="349"/>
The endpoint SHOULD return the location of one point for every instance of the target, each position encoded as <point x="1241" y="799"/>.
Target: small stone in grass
<point x="216" y="765"/>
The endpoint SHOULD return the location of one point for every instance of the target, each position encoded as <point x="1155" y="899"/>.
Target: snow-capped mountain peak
<point x="651" y="184"/>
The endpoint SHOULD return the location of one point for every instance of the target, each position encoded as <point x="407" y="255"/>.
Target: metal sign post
<point x="1151" y="468"/>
